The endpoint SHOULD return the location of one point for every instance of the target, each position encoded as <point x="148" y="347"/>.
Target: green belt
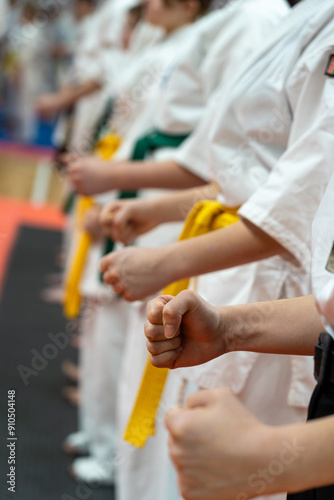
<point x="69" y="203"/>
<point x="155" y="140"/>
<point x="144" y="145"/>
<point x="101" y="127"/>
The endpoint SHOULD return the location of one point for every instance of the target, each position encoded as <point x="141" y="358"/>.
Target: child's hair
<point x="204" y="5"/>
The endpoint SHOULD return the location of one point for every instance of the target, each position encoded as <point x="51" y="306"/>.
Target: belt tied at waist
<point x="149" y="142"/>
<point x="156" y="140"/>
<point x="205" y="216"/>
<point x="105" y="146"/>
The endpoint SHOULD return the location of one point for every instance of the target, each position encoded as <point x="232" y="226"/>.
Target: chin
<point x="153" y="20"/>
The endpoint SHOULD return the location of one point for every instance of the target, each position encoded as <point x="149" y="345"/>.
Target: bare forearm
<point x="70" y="95"/>
<point x="289" y="326"/>
<point x="235" y="245"/>
<point x="305" y="453"/>
<point x="177" y="205"/>
<point x="274" y="327"/>
<point x="134" y="175"/>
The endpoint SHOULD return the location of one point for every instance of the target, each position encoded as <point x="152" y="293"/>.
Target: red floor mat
<point x="13" y="213"/>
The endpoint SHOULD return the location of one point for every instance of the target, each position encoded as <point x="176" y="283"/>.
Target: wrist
<point x="284" y="449"/>
<point x="154" y="210"/>
<point x="244" y="325"/>
<point x="64" y="100"/>
<point x="230" y="328"/>
<point x="110" y="175"/>
<point x="219" y="338"/>
<point x="270" y="456"/>
<point x="169" y="262"/>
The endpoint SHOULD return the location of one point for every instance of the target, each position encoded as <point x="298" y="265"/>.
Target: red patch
<point x="330" y="67"/>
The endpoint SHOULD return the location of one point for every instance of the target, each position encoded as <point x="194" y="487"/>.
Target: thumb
<point x="121" y="222"/>
<point x="105" y="262"/>
<point x="174" y="311"/>
<point x="208" y="397"/>
<point x="155" y="308"/>
<point x="175" y="421"/>
<point x="201" y="398"/>
<point x="108" y="212"/>
<point x="73" y="167"/>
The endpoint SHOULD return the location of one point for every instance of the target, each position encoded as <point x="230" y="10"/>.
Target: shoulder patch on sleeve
<point x="330" y="262"/>
<point x="330" y="66"/>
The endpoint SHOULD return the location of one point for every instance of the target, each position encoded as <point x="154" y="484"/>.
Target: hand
<point x="70" y="157"/>
<point x="89" y="175"/>
<point x="219" y="448"/>
<point x="183" y="331"/>
<point x="92" y="224"/>
<point x="48" y="105"/>
<point x="124" y="220"/>
<point x="135" y="273"/>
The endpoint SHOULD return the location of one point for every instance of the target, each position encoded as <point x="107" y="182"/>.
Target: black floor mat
<point x="43" y="418"/>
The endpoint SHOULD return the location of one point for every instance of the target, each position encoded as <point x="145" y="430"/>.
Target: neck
<point x="171" y="29"/>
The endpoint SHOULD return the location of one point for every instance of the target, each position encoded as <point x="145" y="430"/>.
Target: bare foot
<point x="72" y="395"/>
<point x="76" y="444"/>
<point x="71" y="371"/>
<point x="53" y="294"/>
<point x="61" y="259"/>
<point x="54" y="279"/>
<point x="76" y="341"/>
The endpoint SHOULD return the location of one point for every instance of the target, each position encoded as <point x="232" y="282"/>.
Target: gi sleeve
<point x="286" y="204"/>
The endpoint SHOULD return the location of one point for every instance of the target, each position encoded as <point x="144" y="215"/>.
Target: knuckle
<point x="149" y="347"/>
<point x="146" y="326"/>
<point x="220" y="392"/>
<point x="177" y="454"/>
<point x="154" y="348"/>
<point x="149" y="308"/>
<point x="170" y="314"/>
<point x="127" y="295"/>
<point x="118" y="288"/>
<point x="174" y="451"/>
<point x="186" y="492"/>
<point x="181" y="430"/>
<point x="156" y="312"/>
<point x="155" y="361"/>
<point x="189" y="295"/>
<point x="149" y="330"/>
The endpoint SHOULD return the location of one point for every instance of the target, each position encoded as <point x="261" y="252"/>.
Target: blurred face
<point x="83" y="9"/>
<point x="169" y="16"/>
<point x="28" y="15"/>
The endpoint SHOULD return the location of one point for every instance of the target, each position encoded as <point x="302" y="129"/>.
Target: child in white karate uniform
<point x="106" y="339"/>
<point x="254" y="156"/>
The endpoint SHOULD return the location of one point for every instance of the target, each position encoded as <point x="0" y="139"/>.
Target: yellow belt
<point x="205" y="216"/>
<point x="105" y="148"/>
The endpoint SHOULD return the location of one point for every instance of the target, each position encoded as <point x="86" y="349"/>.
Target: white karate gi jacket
<point x="138" y="88"/>
<point x="144" y="473"/>
<point x="100" y="59"/>
<point x="225" y="40"/>
<point x="278" y="120"/>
